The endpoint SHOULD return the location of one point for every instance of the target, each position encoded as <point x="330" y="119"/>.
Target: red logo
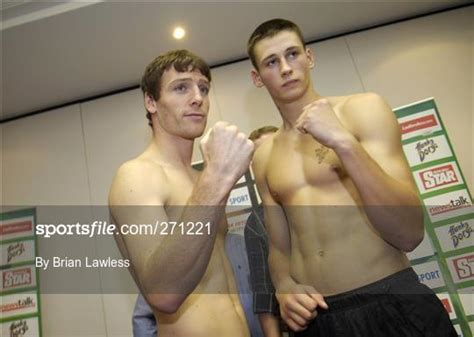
<point x="23" y="226"/>
<point x="420" y="123"/>
<point x="439" y="176"/>
<point x="461" y="202"/>
<point x="464" y="266"/>
<point x="447" y="305"/>
<point x="24" y="303"/>
<point x="17" y="277"/>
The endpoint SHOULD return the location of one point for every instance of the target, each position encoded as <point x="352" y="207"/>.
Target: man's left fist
<point x="319" y="120"/>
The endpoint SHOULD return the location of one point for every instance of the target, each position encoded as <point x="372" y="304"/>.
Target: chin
<point x="291" y="97"/>
<point x="193" y="134"/>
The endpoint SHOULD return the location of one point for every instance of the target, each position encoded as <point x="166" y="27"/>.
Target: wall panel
<point x="428" y="57"/>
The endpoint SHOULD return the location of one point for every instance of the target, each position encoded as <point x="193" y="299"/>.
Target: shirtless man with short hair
<point x="184" y="276"/>
<point x="341" y="207"/>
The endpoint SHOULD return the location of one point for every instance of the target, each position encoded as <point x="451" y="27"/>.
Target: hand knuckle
<point x="232" y="128"/>
<point x="241" y="136"/>
<point x="220" y="124"/>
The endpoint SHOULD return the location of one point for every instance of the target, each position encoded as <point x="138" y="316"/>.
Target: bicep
<point x="379" y="133"/>
<point x="142" y="229"/>
<point x="139" y="213"/>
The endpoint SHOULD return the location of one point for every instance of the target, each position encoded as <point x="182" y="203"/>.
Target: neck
<point x="290" y="111"/>
<point x="171" y="149"/>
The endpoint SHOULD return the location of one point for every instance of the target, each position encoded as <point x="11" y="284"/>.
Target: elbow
<point x="165" y="303"/>
<point x="414" y="241"/>
<point x="418" y="232"/>
<point x="411" y="245"/>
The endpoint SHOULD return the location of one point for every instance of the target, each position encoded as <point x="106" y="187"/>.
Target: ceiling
<point x="59" y="52"/>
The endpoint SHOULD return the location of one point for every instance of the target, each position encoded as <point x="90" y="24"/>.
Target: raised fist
<point x="319" y="120"/>
<point x="226" y="151"/>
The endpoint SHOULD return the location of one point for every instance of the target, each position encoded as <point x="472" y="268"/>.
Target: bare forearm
<point x="392" y="206"/>
<point x="270" y="324"/>
<point x="182" y="256"/>
<point x="279" y="264"/>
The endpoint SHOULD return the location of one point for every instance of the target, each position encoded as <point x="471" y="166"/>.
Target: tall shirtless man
<point x="340" y="204"/>
<point x="183" y="273"/>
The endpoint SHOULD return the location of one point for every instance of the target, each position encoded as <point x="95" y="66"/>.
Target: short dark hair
<point x="182" y="60"/>
<point x="270" y="28"/>
<point x="256" y="134"/>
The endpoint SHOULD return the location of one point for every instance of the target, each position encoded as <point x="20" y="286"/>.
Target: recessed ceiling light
<point x="179" y="33"/>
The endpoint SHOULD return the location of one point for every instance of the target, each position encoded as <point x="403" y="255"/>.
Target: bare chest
<point x="181" y="190"/>
<point x="301" y="164"/>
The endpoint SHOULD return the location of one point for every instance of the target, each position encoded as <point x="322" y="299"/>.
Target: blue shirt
<point x="143" y="320"/>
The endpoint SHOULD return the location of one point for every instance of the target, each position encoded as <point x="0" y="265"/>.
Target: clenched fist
<point x="299" y="305"/>
<point x="319" y="120"/>
<point x="226" y="151"/>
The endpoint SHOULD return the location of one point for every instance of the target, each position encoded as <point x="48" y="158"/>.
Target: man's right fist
<point x="299" y="305"/>
<point x="226" y="151"/>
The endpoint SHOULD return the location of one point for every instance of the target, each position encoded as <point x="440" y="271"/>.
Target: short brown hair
<point x="269" y="29"/>
<point x="256" y="134"/>
<point x="182" y="60"/>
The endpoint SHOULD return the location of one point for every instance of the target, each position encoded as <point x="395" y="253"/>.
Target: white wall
<point x="1" y="164"/>
<point x="69" y="156"/>
<point x="44" y="164"/>
<point x="44" y="161"/>
<point x="429" y="57"/>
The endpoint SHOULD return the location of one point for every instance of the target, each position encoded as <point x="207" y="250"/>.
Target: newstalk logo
<point x="27" y="302"/>
<point x="18" y="304"/>
<point x="447" y="205"/>
<point x="460" y="202"/>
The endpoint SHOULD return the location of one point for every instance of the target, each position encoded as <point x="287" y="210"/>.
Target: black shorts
<point x="396" y="306"/>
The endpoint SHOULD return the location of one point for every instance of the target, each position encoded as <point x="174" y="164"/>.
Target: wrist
<point x="285" y="285"/>
<point x="213" y="188"/>
<point x="227" y="176"/>
<point x="345" y="144"/>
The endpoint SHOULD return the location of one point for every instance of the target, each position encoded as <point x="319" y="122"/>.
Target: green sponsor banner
<point x="20" y="304"/>
<point x="445" y="259"/>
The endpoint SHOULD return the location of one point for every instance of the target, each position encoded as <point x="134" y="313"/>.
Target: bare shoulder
<point x="139" y="182"/>
<point x="261" y="157"/>
<point x="369" y="114"/>
<point x="364" y="105"/>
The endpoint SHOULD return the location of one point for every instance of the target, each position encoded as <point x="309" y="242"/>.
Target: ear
<point x="310" y="55"/>
<point x="256" y="79"/>
<point x="150" y="104"/>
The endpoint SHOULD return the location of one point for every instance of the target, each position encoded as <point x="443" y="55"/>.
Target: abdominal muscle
<point x="204" y="315"/>
<point x="334" y="248"/>
<point x="213" y="309"/>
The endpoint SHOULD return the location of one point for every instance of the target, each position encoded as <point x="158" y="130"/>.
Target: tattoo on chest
<point x="321" y="153"/>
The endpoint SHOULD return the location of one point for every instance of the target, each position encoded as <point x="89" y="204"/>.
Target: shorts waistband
<point x="370" y="292"/>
